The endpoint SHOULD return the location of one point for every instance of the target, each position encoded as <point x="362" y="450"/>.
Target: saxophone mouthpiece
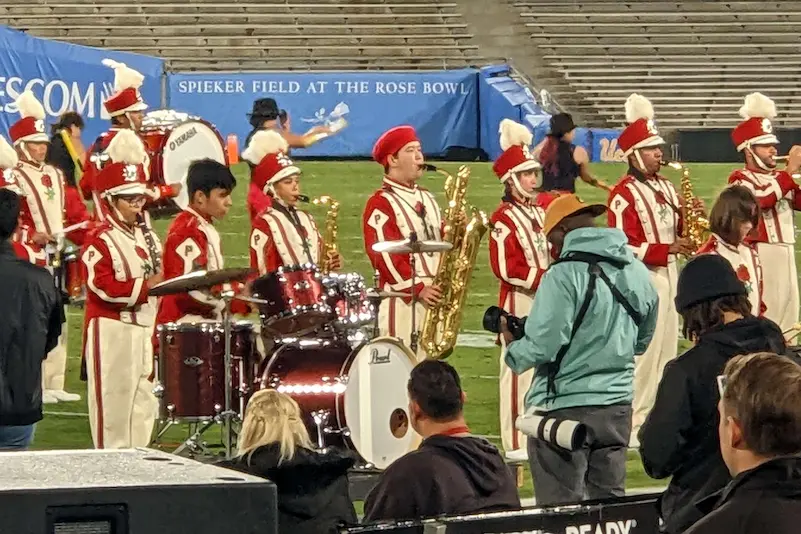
<point x="302" y="198"/>
<point x="428" y="167"/>
<point x="672" y="164"/>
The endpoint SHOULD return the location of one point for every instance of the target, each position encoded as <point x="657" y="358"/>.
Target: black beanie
<point x="704" y="278"/>
<point x="561" y="123"/>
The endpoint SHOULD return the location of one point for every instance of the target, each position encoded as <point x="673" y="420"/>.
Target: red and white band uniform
<point x="44" y="209"/>
<point x="283" y="236"/>
<point x="193" y="244"/>
<point x="745" y="261"/>
<point x="646" y="209"/>
<point x="393" y="213"/>
<point x="778" y="197"/>
<point x="120" y="316"/>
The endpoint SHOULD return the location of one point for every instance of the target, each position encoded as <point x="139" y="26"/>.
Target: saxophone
<point x="464" y="227"/>
<point x="696" y="224"/>
<point x="331" y="231"/>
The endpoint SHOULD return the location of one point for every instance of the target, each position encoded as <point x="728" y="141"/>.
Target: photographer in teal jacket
<point x="594" y="310"/>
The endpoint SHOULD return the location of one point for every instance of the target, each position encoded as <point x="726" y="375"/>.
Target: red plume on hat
<point x="127" y="82"/>
<point x="756" y="129"/>
<point x="516" y="157"/>
<point x="125" y="175"/>
<point x="641" y="131"/>
<point x="30" y="128"/>
<point x="267" y="151"/>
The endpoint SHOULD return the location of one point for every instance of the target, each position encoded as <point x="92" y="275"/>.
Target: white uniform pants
<point x="54" y="367"/>
<point x="513" y="388"/>
<point x="122" y="407"/>
<point x="780" y="283"/>
<point x="649" y="366"/>
<point x="395" y="319"/>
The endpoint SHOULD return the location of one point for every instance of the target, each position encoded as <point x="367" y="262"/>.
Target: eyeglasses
<point x="722" y="383"/>
<point x="133" y="200"/>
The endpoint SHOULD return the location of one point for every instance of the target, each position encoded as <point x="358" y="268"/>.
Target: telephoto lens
<point x="564" y="433"/>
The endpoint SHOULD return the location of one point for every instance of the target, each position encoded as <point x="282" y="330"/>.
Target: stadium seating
<point x="694" y="60"/>
<point x="252" y="35"/>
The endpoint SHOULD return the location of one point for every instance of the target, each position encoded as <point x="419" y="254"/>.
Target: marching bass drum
<point x="348" y="397"/>
<point x="174" y="140"/>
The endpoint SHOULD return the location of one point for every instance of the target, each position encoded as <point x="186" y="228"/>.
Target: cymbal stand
<point x="413" y="263"/>
<point x="376" y="302"/>
<point x="227" y="416"/>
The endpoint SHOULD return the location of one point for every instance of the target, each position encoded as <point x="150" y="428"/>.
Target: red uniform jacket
<point x="193" y="244"/>
<point x="275" y="241"/>
<point x="744" y="259"/>
<point x="777" y="195"/>
<point x="648" y="213"/>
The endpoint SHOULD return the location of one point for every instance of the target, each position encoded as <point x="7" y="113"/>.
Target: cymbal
<point x="373" y="294"/>
<point x="405" y="246"/>
<point x="198" y="280"/>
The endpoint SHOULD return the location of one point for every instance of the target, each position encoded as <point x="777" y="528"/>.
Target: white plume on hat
<point x="126" y="147"/>
<point x="8" y="156"/>
<point x="638" y="107"/>
<point x="262" y="143"/>
<point x="124" y="76"/>
<point x="29" y="106"/>
<point x="514" y="134"/>
<point x="758" y="105"/>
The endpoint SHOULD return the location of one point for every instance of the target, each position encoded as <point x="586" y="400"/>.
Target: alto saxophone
<point x="696" y="224"/>
<point x="331" y="230"/>
<point x="464" y="227"/>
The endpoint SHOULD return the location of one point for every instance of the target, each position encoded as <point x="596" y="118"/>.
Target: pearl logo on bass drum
<point x="378" y="358"/>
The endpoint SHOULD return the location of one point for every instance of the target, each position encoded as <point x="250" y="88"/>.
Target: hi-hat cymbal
<point x="373" y="294"/>
<point x="406" y="246"/>
<point x="198" y="280"/>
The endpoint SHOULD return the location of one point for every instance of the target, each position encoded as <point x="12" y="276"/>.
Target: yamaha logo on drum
<point x="377" y="358"/>
<point x="183" y="138"/>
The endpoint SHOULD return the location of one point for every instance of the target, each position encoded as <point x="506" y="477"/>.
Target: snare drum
<point x="191" y="370"/>
<point x="73" y="284"/>
<point x="174" y="140"/>
<point x="297" y="300"/>
<point x="349" y="397"/>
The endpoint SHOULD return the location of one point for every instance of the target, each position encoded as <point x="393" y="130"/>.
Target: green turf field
<point x="66" y="426"/>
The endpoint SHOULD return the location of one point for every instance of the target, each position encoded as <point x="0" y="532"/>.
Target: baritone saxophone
<point x="696" y="224"/>
<point x="464" y="226"/>
<point x="330" y="245"/>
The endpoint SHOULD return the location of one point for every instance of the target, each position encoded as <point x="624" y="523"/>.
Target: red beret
<point x="392" y="141"/>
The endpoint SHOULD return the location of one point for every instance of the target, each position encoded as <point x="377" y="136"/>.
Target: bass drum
<point x="353" y="398"/>
<point x="174" y="140"/>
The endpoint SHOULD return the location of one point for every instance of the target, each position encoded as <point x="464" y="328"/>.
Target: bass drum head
<point x="188" y="142"/>
<point x="376" y="403"/>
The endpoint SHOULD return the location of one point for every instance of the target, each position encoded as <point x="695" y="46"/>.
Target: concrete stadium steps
<point x="226" y="34"/>
<point x="697" y="58"/>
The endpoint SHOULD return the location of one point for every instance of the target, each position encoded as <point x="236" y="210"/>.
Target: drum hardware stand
<point x="413" y="263"/>
<point x="321" y="421"/>
<point x="227" y="415"/>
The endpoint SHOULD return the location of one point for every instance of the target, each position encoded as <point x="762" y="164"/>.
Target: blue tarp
<point x="66" y="77"/>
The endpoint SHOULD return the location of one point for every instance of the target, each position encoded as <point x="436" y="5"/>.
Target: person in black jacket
<point x="313" y="490"/>
<point x="32" y="314"/>
<point x="760" y="440"/>
<point x="452" y="472"/>
<point x="57" y="153"/>
<point x="679" y="438"/>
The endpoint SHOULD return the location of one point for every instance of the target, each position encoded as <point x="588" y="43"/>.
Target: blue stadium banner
<point x="66" y="77"/>
<point x="604" y="145"/>
<point x="442" y="106"/>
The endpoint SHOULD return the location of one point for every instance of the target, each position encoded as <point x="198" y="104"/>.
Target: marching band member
<point x="193" y="244"/>
<point x="519" y="256"/>
<point x="125" y="107"/>
<point x="732" y="218"/>
<point x="282" y="235"/>
<point x="645" y="206"/>
<point x="394" y="212"/>
<point x="778" y="196"/>
<point x="24" y="248"/>
<point x="45" y="208"/>
<point x="121" y="263"/>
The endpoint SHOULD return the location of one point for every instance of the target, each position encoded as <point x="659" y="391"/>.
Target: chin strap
<point x="758" y="160"/>
<point x="639" y="160"/>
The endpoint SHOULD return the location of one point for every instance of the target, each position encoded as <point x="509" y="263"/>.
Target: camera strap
<point x="595" y="270"/>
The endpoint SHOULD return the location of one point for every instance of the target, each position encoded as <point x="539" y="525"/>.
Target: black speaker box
<point x="131" y="491"/>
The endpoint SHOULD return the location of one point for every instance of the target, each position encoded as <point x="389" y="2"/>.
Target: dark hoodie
<point x="445" y="475"/>
<point x="680" y="436"/>
<point x="763" y="500"/>
<point x="313" y="491"/>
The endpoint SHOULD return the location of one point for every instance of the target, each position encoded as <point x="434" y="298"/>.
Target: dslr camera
<point x="563" y="433"/>
<point x="492" y="322"/>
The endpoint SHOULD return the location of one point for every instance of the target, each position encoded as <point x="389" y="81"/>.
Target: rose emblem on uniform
<point x="47" y="181"/>
<point x="744" y="276"/>
<point x="767" y="127"/>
